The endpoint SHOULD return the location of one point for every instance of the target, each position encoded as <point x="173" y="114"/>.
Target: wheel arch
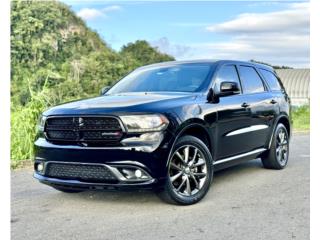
<point x="196" y="128"/>
<point x="284" y="119"/>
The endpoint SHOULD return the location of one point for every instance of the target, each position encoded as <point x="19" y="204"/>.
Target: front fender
<point x="187" y="125"/>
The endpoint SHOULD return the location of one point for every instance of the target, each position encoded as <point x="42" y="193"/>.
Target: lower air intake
<point x="88" y="173"/>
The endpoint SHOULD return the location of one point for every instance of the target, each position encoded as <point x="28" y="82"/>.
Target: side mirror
<point x="228" y="88"/>
<point x="104" y="90"/>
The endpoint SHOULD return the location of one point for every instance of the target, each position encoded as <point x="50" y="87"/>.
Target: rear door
<point x="262" y="105"/>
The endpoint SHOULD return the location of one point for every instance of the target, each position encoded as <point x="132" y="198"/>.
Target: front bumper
<point x="152" y="163"/>
<point x="81" y="185"/>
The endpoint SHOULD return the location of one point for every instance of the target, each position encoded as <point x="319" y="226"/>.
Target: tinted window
<point x="271" y="80"/>
<point x="251" y="81"/>
<point x="227" y="74"/>
<point x="175" y="78"/>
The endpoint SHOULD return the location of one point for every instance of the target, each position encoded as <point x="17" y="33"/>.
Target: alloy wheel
<point x="282" y="147"/>
<point x="188" y="170"/>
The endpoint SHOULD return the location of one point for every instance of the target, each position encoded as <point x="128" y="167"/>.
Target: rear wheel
<point x="277" y="156"/>
<point x="190" y="172"/>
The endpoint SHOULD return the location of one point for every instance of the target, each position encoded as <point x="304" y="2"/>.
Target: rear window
<point x="271" y="79"/>
<point x="250" y="79"/>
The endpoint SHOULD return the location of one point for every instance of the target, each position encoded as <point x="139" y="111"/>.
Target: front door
<point x="262" y="106"/>
<point x="234" y="121"/>
<point x="232" y="116"/>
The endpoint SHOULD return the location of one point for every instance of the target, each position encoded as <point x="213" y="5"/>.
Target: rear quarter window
<point x="271" y="79"/>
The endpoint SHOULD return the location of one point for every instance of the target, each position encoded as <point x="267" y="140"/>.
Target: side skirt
<point x="234" y="160"/>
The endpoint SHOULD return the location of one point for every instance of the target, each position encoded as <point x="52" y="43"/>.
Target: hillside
<point x="55" y="58"/>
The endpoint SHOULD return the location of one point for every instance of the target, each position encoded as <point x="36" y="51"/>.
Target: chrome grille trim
<point x="84" y="129"/>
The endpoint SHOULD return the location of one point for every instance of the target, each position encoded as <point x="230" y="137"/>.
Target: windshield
<point x="175" y="78"/>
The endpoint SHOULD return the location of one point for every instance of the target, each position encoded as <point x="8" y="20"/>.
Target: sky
<point x="276" y="32"/>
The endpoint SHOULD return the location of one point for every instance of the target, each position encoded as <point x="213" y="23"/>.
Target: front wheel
<point x="190" y="172"/>
<point x="278" y="155"/>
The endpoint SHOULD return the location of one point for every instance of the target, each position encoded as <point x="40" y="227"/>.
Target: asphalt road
<point x="244" y="202"/>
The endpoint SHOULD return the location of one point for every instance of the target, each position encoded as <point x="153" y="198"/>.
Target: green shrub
<point x="23" y="125"/>
<point x="301" y="118"/>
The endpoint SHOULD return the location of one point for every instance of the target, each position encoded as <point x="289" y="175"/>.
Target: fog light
<point x="134" y="174"/>
<point x="138" y="173"/>
<point x="40" y="167"/>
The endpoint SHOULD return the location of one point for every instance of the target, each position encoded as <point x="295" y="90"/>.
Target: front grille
<point x="89" y="173"/>
<point x="87" y="130"/>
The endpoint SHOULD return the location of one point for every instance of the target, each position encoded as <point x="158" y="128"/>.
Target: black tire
<point x="67" y="190"/>
<point x="272" y="159"/>
<point x="197" y="169"/>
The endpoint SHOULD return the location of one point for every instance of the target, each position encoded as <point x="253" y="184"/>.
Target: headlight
<point x="146" y="142"/>
<point x="145" y="123"/>
<point x="41" y="123"/>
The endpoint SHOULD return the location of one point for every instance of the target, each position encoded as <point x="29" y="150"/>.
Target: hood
<point x="123" y="103"/>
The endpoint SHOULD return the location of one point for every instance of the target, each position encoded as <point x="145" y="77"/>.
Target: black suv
<point x="168" y="127"/>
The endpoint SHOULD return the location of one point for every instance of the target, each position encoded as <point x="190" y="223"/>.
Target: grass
<point x="301" y="118"/>
<point x="23" y="127"/>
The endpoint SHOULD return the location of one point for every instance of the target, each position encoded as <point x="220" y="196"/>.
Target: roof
<point x="208" y="61"/>
<point x="168" y="63"/>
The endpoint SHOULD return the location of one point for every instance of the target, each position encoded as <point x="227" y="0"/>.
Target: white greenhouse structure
<point x="296" y="83"/>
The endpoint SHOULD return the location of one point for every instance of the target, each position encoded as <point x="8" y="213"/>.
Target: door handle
<point x="245" y="105"/>
<point x="273" y="101"/>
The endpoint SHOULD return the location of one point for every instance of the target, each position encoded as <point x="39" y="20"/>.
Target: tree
<point x="142" y="53"/>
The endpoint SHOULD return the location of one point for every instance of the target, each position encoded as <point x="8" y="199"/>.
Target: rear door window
<point x="250" y="80"/>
